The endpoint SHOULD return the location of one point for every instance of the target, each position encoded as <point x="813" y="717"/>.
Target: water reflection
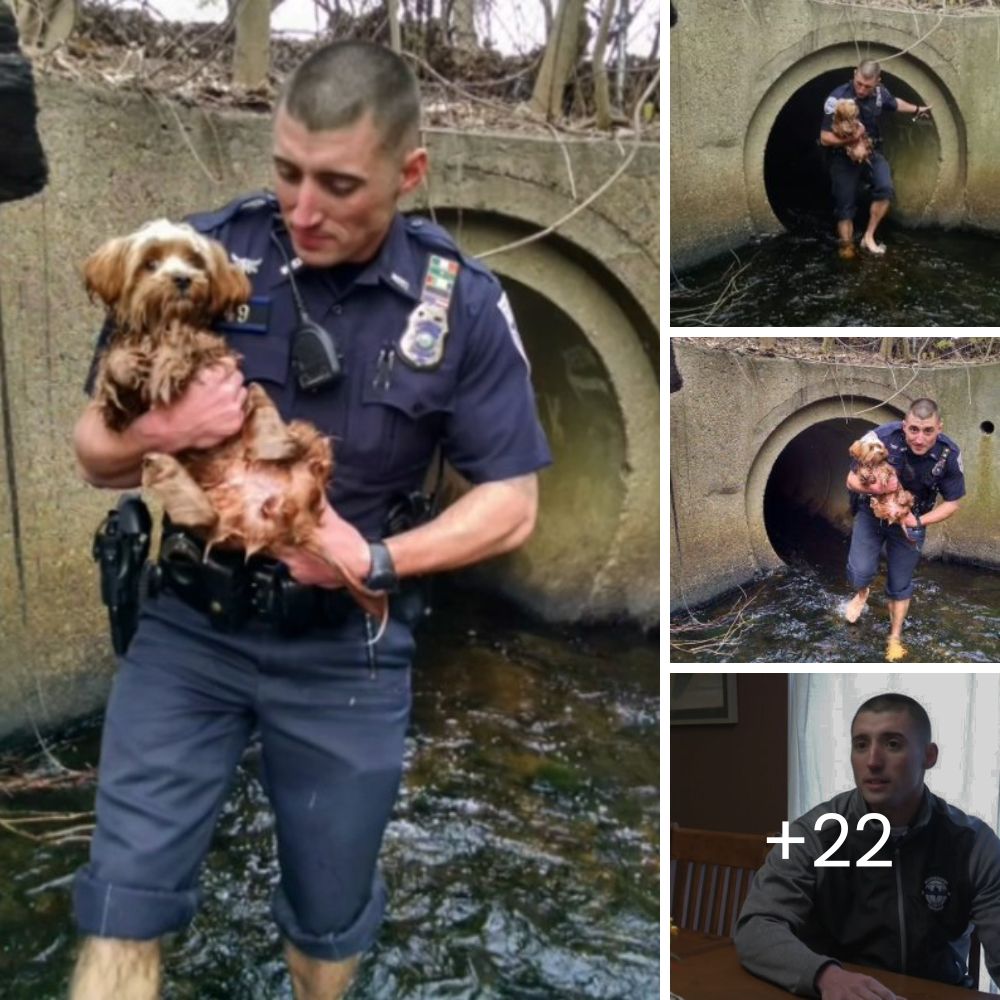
<point x="797" y="614"/>
<point x="928" y="277"/>
<point x="521" y="862"/>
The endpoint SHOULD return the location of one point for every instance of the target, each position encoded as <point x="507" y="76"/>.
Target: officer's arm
<point x="941" y="512"/>
<point x="829" y="139"/>
<point x="984" y="875"/>
<point x="492" y="518"/>
<point x="855" y="486"/>
<point x="776" y="911"/>
<point x="210" y="410"/>
<point x="106" y="459"/>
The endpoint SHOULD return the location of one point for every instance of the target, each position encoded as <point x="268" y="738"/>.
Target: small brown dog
<point x="262" y="489"/>
<point x="874" y="470"/>
<point x="847" y="125"/>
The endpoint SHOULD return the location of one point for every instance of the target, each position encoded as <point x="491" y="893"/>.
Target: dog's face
<point x="161" y="272"/>
<point x="845" y="113"/>
<point x="869" y="452"/>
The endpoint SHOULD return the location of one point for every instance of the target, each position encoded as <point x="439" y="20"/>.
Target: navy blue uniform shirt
<point x="923" y="475"/>
<point x="869" y="108"/>
<point x="385" y="416"/>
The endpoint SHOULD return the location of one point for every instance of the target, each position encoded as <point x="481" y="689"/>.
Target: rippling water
<point x="928" y="277"/>
<point x="522" y="860"/>
<point x="797" y="613"/>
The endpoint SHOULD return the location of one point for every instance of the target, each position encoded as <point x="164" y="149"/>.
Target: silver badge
<point x="422" y="342"/>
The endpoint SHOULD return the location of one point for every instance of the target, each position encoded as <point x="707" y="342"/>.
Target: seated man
<point x="800" y="921"/>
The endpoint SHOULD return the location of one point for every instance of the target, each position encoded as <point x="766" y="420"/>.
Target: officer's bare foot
<point x="868" y="242"/>
<point x="894" y="649"/>
<point x="856" y="605"/>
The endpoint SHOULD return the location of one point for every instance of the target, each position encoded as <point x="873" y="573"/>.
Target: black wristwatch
<point x="382" y="575"/>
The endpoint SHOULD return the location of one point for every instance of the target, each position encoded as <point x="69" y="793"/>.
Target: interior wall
<point x="735" y="777"/>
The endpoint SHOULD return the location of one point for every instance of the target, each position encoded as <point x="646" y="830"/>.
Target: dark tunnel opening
<point x="806" y="502"/>
<point x="795" y="171"/>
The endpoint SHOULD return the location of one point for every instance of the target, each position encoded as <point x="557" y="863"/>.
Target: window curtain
<point x="964" y="710"/>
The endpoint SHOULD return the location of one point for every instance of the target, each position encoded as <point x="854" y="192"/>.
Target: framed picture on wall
<point x="702" y="699"/>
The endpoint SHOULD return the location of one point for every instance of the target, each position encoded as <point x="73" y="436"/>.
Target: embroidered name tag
<point x="251" y="317"/>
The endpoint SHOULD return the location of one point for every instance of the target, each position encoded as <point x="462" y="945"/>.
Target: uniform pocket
<point x="265" y="358"/>
<point x="403" y="414"/>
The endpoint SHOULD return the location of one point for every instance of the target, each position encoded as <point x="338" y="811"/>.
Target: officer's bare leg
<point x="875" y="216"/>
<point x="117" y="969"/>
<point x="314" y="979"/>
<point x="895" y="650"/>
<point x="856" y="605"/>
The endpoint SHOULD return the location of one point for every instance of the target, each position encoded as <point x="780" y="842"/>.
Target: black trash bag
<point x="23" y="170"/>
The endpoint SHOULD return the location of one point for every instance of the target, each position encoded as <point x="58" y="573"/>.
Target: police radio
<point x="315" y="356"/>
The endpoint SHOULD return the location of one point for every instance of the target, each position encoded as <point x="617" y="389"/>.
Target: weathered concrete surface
<point x="734" y="64"/>
<point x="736" y="415"/>
<point x="588" y="302"/>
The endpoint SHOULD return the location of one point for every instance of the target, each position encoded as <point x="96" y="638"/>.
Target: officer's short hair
<point x="343" y="81"/>
<point x="924" y="409"/>
<point x="869" y="70"/>
<point x="892" y="702"/>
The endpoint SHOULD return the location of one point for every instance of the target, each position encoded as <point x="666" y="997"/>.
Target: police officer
<point x="927" y="463"/>
<point x="872" y="98"/>
<point x="379" y="330"/>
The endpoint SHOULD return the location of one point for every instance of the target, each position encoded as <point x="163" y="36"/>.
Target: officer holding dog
<point x="872" y="98"/>
<point x="928" y="463"/>
<point x="377" y="329"/>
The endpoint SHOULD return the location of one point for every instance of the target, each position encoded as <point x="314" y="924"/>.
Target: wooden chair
<point x="710" y="876"/>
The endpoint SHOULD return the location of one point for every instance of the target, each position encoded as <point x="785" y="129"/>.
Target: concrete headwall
<point x="587" y="301"/>
<point x="735" y="64"/>
<point x="735" y="416"/>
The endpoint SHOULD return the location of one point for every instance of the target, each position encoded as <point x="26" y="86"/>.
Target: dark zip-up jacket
<point x="913" y="917"/>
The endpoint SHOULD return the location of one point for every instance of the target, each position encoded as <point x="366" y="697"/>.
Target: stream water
<point x="928" y="277"/>
<point x="522" y="859"/>
<point x="797" y="613"/>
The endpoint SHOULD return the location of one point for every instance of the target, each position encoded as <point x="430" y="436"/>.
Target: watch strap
<point x="382" y="575"/>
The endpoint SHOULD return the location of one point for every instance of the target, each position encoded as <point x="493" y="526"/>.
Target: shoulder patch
<point x="503" y="304"/>
<point x="871" y="438"/>
<point x="958" y="458"/>
<point x="830" y="106"/>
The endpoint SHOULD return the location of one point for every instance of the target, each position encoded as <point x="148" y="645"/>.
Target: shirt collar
<point x="395" y="264"/>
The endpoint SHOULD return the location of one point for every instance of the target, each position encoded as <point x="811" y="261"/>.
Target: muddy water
<point x="927" y="278"/>
<point x="797" y="614"/>
<point x="521" y="861"/>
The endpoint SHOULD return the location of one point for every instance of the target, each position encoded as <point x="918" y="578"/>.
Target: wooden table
<point x="707" y="968"/>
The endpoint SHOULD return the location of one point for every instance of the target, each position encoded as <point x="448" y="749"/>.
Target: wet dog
<point x="847" y="125"/>
<point x="874" y="470"/>
<point x="261" y="490"/>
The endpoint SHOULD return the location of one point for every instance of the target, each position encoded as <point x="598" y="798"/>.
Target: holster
<point x="121" y="544"/>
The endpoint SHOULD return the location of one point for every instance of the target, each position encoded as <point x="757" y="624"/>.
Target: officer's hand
<point x="344" y="547"/>
<point x="892" y="484"/>
<point x="835" y="983"/>
<point x="909" y="522"/>
<point x="211" y="409"/>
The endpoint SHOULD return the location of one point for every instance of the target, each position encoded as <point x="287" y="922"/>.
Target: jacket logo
<point x="936" y="892"/>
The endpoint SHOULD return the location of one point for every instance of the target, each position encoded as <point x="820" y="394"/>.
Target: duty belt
<point x="232" y="589"/>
